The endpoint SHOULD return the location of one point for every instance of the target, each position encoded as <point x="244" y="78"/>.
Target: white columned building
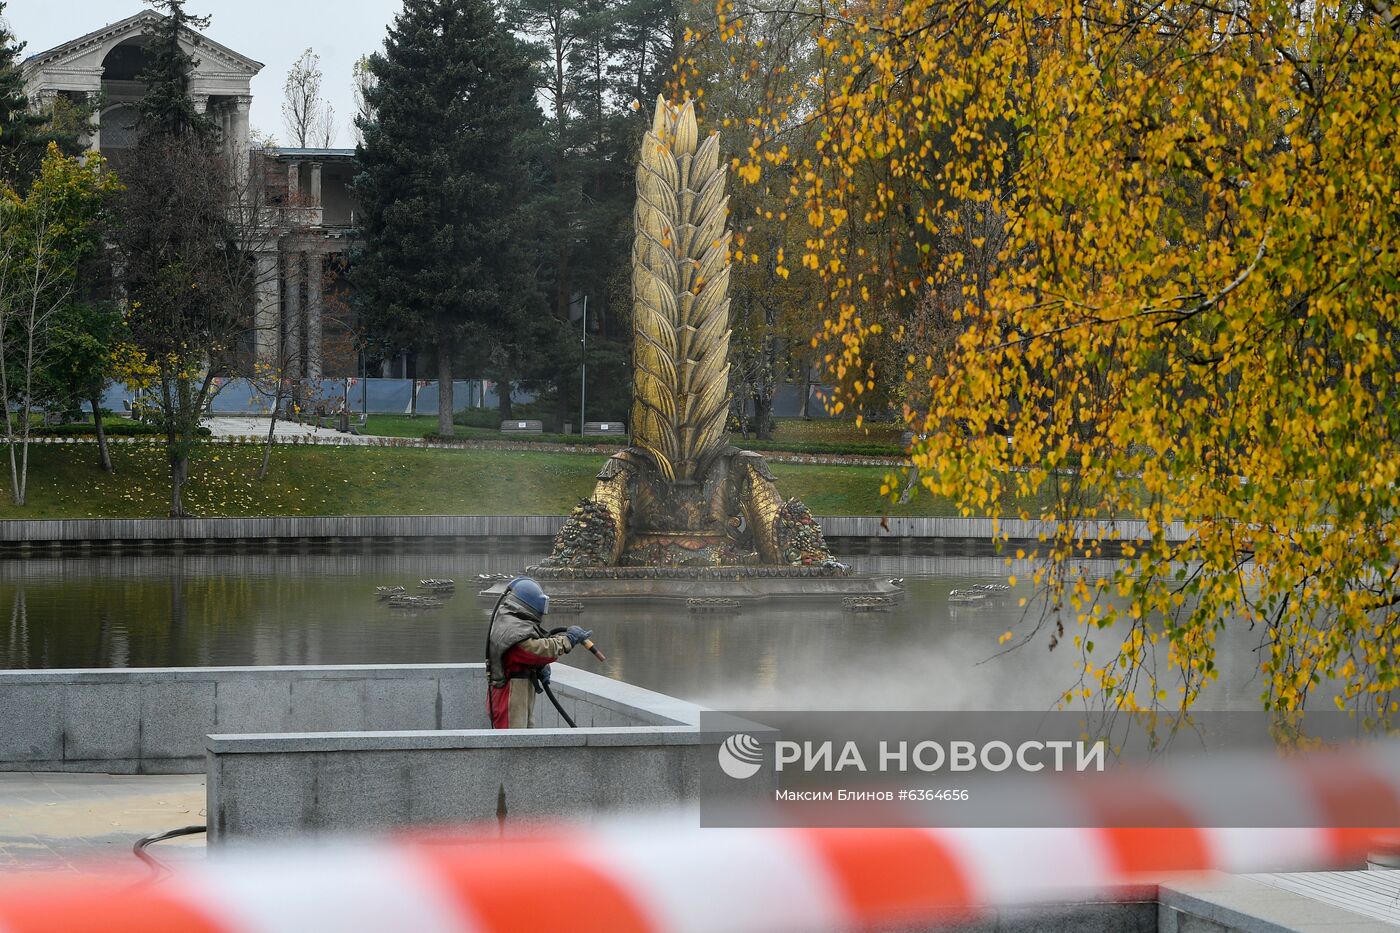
<point x="106" y="65"/>
<point x="297" y="321"/>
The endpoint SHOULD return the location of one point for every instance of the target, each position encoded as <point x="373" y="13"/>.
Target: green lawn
<point x="836" y="431"/>
<point x="65" y="483"/>
<point x="399" y="425"/>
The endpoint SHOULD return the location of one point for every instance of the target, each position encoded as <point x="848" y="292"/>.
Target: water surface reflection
<point x="183" y="609"/>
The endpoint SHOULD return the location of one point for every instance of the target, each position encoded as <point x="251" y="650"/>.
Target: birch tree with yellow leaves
<point x="1168" y="236"/>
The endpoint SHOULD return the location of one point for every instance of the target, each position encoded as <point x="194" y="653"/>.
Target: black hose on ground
<point x="158" y="868"/>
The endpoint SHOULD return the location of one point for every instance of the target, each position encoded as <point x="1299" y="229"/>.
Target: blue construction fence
<point x="395" y="397"/>
<point x="376" y="396"/>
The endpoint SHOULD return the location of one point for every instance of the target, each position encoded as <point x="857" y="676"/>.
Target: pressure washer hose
<point x="158" y="868"/>
<point x="542" y="684"/>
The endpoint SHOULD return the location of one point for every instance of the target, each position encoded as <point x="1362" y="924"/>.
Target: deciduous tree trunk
<point x="561" y="409"/>
<point x="762" y="416"/>
<point x="19" y="471"/>
<point x="444" y="374"/>
<point x="176" y="454"/>
<point x="179" y="472"/>
<point x="272" y="432"/>
<point x="806" y="391"/>
<point x="104" y="456"/>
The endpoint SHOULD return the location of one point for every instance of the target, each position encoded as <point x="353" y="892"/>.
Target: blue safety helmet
<point x="529" y="593"/>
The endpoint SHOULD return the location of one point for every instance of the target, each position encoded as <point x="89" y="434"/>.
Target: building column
<point x="266" y="309"/>
<point x="315" y="199"/>
<point x="292" y="318"/>
<point x="241" y="134"/>
<point x="293" y="184"/>
<point x="315" y="269"/>
<point x="201" y="102"/>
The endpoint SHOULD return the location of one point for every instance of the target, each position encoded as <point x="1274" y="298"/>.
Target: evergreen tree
<point x="25" y="134"/>
<point x="585" y="194"/>
<point x="167" y="110"/>
<point x="445" y="265"/>
<point x="645" y="46"/>
<point x="19" y="127"/>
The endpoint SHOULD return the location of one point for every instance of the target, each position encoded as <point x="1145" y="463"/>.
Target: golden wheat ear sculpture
<point x="680" y="290"/>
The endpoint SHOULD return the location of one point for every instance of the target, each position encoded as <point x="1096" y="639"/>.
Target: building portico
<point x="305" y="194"/>
<point x="105" y="66"/>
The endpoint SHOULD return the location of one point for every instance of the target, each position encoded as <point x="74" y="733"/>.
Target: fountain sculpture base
<point x="722" y="540"/>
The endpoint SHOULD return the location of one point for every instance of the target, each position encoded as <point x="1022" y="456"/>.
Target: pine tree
<point x="166" y="109"/>
<point x="585" y="195"/>
<point x="644" y="46"/>
<point x="18" y="126"/>
<point x="444" y="180"/>
<point x="25" y="134"/>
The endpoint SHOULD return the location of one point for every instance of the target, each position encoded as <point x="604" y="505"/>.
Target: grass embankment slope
<point x="306" y="480"/>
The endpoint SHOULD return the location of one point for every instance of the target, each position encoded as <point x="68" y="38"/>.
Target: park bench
<point x="607" y="428"/>
<point x="522" y="427"/>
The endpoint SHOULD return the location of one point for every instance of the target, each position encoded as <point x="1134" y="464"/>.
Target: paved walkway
<point x="229" y="426"/>
<point x="65" y="821"/>
<point x="239" y="430"/>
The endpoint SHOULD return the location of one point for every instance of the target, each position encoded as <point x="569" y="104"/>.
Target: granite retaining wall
<point x="156" y="720"/>
<point x="310" y="750"/>
<point x="633" y="749"/>
<point x="392" y="528"/>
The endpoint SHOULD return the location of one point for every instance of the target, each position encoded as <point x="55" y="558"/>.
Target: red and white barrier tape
<point x="645" y="877"/>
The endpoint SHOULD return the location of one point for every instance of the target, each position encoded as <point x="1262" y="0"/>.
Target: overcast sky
<point x="273" y="32"/>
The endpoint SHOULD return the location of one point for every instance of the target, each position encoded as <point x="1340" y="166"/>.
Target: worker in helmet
<point x="519" y="651"/>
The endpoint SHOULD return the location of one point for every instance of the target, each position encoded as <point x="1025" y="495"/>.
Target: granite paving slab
<point x="71" y="821"/>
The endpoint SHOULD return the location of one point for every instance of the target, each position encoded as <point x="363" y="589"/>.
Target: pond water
<point x="193" y="609"/>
